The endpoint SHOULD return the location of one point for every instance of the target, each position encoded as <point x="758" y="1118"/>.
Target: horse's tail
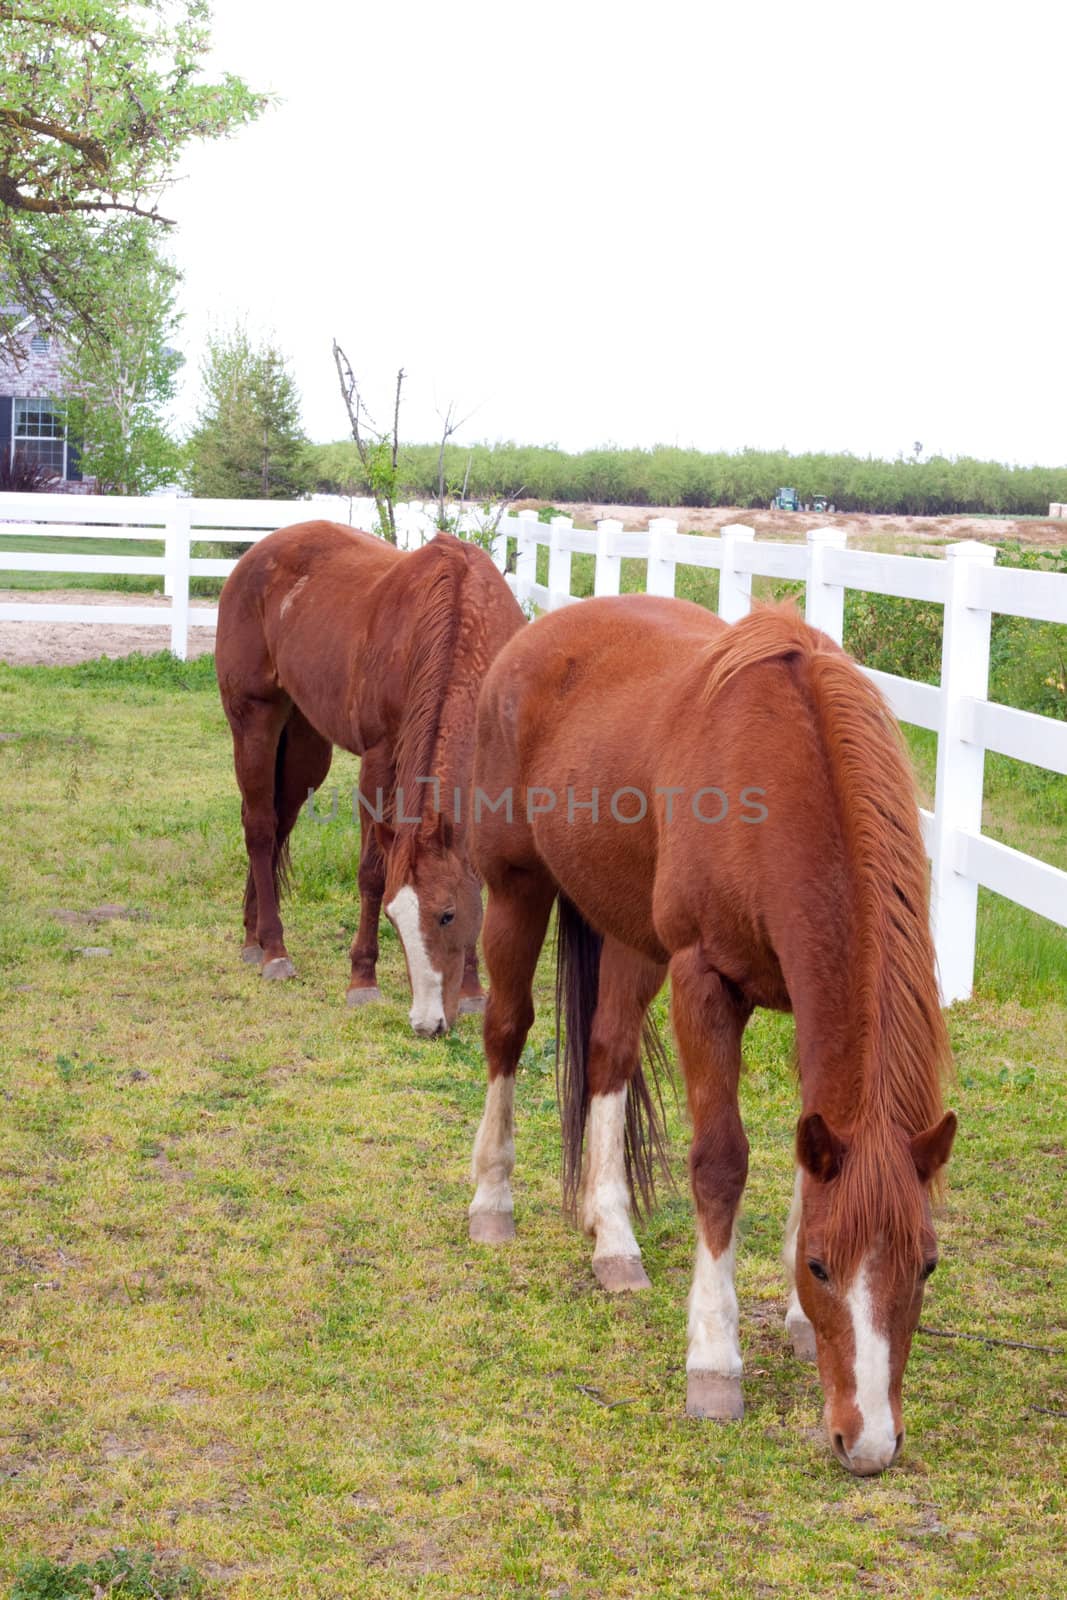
<point x="578" y="948"/>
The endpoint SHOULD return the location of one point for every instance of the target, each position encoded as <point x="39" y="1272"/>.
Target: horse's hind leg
<point x="800" y="1331"/>
<point x="257" y="729"/>
<point x="514" y="931"/>
<point x="303" y="762"/>
<point x="709" y="1018"/>
<point x="628" y="983"/>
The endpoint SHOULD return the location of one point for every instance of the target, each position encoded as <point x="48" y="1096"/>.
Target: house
<point x="31" y="425"/>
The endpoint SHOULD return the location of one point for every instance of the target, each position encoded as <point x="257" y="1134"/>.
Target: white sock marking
<point x="605" y="1195"/>
<point x="427" y="1012"/>
<point x="795" y="1316"/>
<point x="493" y="1157"/>
<point x="878" y="1436"/>
<point x="713" y="1320"/>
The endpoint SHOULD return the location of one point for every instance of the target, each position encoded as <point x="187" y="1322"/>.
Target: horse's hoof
<point x="253" y="954"/>
<point x="492" y="1227"/>
<point x="470" y="1003"/>
<point x="709" y="1394"/>
<point x="802" y="1338"/>
<point x="620" y="1274"/>
<point x="280" y="967"/>
<point x="363" y="997"/>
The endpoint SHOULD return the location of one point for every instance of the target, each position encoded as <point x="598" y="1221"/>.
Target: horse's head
<point x="433" y="900"/>
<point x="865" y="1248"/>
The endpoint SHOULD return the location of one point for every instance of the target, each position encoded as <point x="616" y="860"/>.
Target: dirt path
<point x="52" y="644"/>
<point x="864" y="531"/>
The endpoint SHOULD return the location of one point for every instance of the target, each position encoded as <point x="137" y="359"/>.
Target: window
<point x="39" y="433"/>
<point x="40" y="343"/>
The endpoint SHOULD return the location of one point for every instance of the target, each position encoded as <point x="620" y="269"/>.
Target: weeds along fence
<point x="968" y="584"/>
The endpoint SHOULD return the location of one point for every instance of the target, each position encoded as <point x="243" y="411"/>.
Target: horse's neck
<point x="835" y="1025"/>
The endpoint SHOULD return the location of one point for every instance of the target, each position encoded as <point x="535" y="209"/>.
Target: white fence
<point x="179" y="523"/>
<point x="967" y="583"/>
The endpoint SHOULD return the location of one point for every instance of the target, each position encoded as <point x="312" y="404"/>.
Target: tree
<point x="249" y="442"/>
<point x="98" y="100"/>
<point x="121" y="373"/>
<point x="379" y="449"/>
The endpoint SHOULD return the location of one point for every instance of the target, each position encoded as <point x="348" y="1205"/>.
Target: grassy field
<point x="245" y="1336"/>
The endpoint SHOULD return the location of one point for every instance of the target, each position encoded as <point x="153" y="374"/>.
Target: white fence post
<point x="559" y="559"/>
<point x="824" y="603"/>
<point x="660" y="578"/>
<point x="526" y="559"/>
<point x="960" y="771"/>
<point x="177" y="554"/>
<point x="608" y="575"/>
<point x="735" y="588"/>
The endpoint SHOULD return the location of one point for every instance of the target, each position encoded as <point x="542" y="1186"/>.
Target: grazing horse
<point x="732" y="806"/>
<point x="331" y="637"/>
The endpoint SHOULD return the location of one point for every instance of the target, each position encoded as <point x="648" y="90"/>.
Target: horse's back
<point x="328" y="552"/>
<point x="589" y="669"/>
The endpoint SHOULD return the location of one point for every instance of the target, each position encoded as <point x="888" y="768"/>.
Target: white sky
<point x="818" y="226"/>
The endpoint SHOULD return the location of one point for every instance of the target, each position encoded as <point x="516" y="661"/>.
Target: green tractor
<point x="789" y="500"/>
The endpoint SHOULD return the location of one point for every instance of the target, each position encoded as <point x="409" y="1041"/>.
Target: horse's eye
<point x="446" y="917"/>
<point x="928" y="1268"/>
<point x="817" y="1270"/>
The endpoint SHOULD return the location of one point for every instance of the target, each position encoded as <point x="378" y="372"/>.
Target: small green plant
<point x="121" y="1575"/>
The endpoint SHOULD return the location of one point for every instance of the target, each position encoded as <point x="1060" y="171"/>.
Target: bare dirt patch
<point x="53" y="644"/>
<point x="863" y="529"/>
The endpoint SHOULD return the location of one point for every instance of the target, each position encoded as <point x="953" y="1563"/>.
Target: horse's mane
<point x="901" y="1043"/>
<point x="439" y="570"/>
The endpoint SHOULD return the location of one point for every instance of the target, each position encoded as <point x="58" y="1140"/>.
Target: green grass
<point x="244" y="1330"/>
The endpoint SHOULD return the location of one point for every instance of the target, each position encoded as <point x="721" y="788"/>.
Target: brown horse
<point x="331" y="637"/>
<point x="732" y="806"/>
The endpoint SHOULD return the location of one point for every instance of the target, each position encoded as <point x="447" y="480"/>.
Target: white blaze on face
<point x="713" y="1331"/>
<point x="877" y="1441"/>
<point x="605" y="1193"/>
<point x="427" y="1012"/>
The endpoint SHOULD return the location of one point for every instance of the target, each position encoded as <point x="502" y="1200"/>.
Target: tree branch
<point x="90" y="148"/>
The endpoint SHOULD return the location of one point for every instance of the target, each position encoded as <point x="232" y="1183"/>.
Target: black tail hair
<point x="578" y="948"/>
<point x="281" y="861"/>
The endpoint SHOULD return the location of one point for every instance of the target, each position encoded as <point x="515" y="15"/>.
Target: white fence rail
<point x="967" y="583"/>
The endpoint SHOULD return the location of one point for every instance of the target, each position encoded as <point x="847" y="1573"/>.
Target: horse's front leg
<point x="709" y="1019"/>
<point x="516" y="918"/>
<point x="375" y="789"/>
<point x="471" y="996"/>
<point x="800" y="1331"/>
<point x="628" y="983"/>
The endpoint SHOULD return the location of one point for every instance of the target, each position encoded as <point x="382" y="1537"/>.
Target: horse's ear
<point x="385" y="834"/>
<point x="930" y="1149"/>
<point x="819" y="1150"/>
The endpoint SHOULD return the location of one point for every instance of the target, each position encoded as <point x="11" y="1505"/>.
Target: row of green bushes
<point x="667" y="476"/>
